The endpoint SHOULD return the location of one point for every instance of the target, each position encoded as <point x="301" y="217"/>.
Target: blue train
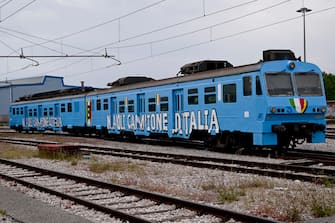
<point x="277" y="102"/>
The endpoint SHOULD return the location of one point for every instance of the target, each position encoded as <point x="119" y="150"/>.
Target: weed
<point x="293" y="214"/>
<point x="119" y="166"/>
<point x="230" y="194"/>
<point x="322" y="208"/>
<point x="73" y="158"/>
<point x="256" y="182"/>
<point x="3" y="212"/>
<point x="329" y="183"/>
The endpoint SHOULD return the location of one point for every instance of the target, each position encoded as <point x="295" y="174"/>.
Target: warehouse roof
<point x="27" y="81"/>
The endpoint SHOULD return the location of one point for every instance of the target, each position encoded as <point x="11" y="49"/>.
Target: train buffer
<point x="68" y="149"/>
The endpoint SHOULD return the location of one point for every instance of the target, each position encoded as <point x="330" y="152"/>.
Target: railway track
<point x="330" y="133"/>
<point x="291" y="169"/>
<point x="121" y="202"/>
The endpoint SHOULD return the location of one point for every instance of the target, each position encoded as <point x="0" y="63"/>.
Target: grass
<point x="232" y="193"/>
<point x="19" y="152"/>
<point x="16" y="152"/>
<point x="322" y="207"/>
<point x="3" y="212"/>
<point x="117" y="166"/>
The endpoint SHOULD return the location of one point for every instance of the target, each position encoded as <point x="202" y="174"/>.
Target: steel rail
<point x="288" y="171"/>
<point x="199" y="208"/>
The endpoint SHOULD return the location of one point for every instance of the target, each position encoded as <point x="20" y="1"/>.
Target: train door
<point x="39" y="112"/>
<point x="111" y="116"/>
<point x="140" y="123"/>
<point x="25" y="117"/>
<point x="57" y="116"/>
<point x="88" y="113"/>
<point x="178" y="108"/>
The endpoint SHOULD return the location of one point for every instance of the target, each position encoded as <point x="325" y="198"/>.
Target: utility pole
<point x="304" y="10"/>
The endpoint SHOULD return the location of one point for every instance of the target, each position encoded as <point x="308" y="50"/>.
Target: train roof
<point x="56" y="93"/>
<point x="185" y="78"/>
<point x="223" y="69"/>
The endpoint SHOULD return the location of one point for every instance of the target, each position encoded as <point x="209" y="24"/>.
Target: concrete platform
<point x="28" y="210"/>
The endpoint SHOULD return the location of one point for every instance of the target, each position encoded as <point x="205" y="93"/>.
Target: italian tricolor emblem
<point x="299" y="104"/>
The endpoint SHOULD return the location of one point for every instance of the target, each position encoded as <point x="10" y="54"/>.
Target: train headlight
<point x="291" y="65"/>
<point x="323" y="109"/>
<point x="273" y="109"/>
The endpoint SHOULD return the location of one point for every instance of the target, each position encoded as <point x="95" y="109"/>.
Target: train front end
<point x="296" y="102"/>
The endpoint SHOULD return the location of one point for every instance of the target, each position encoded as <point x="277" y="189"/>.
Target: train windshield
<point x="279" y="84"/>
<point x="308" y="84"/>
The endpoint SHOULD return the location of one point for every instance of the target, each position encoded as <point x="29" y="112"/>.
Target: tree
<point x="329" y="81"/>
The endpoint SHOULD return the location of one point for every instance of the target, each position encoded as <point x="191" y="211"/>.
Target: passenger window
<point x="131" y="106"/>
<point x="98" y="105"/>
<point x="210" y="95"/>
<point x="229" y="93"/>
<point x="247" y="86"/>
<point x="69" y="107"/>
<point x="51" y="113"/>
<point x="258" y="86"/>
<point x="13" y="111"/>
<point x="62" y="108"/>
<point x="193" y="98"/>
<point x="21" y="111"/>
<point x="35" y="112"/>
<point x="106" y="104"/>
<point x="45" y="112"/>
<point x="164" y="105"/>
<point x="30" y="113"/>
<point x="121" y="106"/>
<point x="152" y="104"/>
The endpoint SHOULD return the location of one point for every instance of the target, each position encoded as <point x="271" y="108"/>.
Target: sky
<point x="155" y="38"/>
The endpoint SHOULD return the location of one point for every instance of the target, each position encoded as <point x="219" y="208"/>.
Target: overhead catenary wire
<point x="17" y="11"/>
<point x="204" y="28"/>
<point x="169" y="26"/>
<point x="191" y="32"/>
<point x="6" y="3"/>
<point x="202" y="42"/>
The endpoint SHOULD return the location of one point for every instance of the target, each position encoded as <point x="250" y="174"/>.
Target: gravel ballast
<point x="281" y="199"/>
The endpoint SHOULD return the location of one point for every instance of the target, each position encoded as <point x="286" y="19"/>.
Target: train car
<point x="63" y="110"/>
<point x="277" y="102"/>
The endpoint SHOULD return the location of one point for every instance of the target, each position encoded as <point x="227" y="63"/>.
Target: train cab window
<point x="69" y="107"/>
<point x="105" y="104"/>
<point x="62" y="108"/>
<point x="210" y="95"/>
<point x="13" y="111"/>
<point x="131" y="106"/>
<point x="152" y="104"/>
<point x="98" y="105"/>
<point x="121" y="106"/>
<point x="279" y="84"/>
<point x="258" y="86"/>
<point x="229" y="93"/>
<point x="308" y="84"/>
<point x="164" y="105"/>
<point x="51" y="112"/>
<point x="193" y="98"/>
<point x="247" y="86"/>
